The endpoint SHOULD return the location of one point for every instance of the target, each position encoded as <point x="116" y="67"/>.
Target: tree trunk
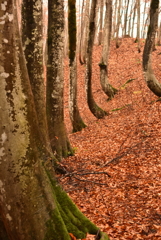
<point x="97" y="111"/>
<point x="138" y="25"/>
<point x="133" y="21"/>
<point x="126" y="15"/>
<point x="75" y="117"/>
<point x="144" y="14"/>
<point x="32" y="31"/>
<point x="36" y="208"/>
<point x="150" y="78"/>
<point x="118" y="24"/>
<point x="100" y="35"/>
<point x="55" y="80"/>
<point x="84" y="36"/>
<point x="107" y="88"/>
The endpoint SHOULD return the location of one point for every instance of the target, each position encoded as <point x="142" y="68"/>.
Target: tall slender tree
<point x="75" y="117"/>
<point x="138" y="24"/>
<point x="84" y="31"/>
<point x="107" y="88"/>
<point x="95" y="109"/>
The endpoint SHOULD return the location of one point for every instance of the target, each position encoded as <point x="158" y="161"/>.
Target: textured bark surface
<point x="96" y="110"/>
<point x="18" y="148"/>
<point x="32" y="38"/>
<point x="75" y="117"/>
<point x="32" y="204"/>
<point x="150" y="78"/>
<point x="55" y="80"/>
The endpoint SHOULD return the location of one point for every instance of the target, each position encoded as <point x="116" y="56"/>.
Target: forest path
<point x="126" y="144"/>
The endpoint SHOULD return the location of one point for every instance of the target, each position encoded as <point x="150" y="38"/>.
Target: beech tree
<point x="32" y="40"/>
<point x="150" y="78"/>
<point x="94" y="108"/>
<point x="84" y="31"/>
<point x="75" y="117"/>
<point x="55" y="80"/>
<point x="107" y="88"/>
<point x="32" y="204"/>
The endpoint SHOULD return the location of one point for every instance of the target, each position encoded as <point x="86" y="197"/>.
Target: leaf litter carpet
<point x="115" y="175"/>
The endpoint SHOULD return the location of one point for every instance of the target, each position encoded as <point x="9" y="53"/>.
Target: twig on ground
<point x="115" y="159"/>
<point x="85" y="180"/>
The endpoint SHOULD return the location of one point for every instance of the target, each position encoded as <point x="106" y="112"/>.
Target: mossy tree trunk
<point x="94" y="108"/>
<point x="106" y="87"/>
<point x="75" y="117"/>
<point x="149" y="75"/>
<point x="36" y="208"/>
<point x="32" y="31"/>
<point x="55" y="80"/>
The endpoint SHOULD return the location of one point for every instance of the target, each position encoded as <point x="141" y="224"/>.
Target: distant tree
<point x="94" y="108"/>
<point x="75" y="117"/>
<point x="138" y="24"/>
<point x="100" y="35"/>
<point x="107" y="88"/>
<point x="84" y="31"/>
<point x="133" y="20"/>
<point x="150" y="78"/>
<point x="159" y="35"/>
<point x="118" y="23"/>
<point x="126" y="16"/>
<point x="144" y="14"/>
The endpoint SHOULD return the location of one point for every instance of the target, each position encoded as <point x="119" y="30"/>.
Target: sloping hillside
<point x="115" y="175"/>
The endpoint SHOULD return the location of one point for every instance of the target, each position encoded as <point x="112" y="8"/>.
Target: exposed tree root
<point x="67" y="214"/>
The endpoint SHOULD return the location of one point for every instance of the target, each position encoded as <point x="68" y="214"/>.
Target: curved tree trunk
<point x="107" y="88"/>
<point x="36" y="208"/>
<point x="75" y="117"/>
<point x="32" y="31"/>
<point x="96" y="110"/>
<point x="55" y="80"/>
<point x="150" y="78"/>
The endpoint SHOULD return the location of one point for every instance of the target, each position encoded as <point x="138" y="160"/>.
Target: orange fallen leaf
<point x="72" y="236"/>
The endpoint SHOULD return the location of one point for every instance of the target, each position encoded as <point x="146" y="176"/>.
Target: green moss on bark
<point x="67" y="218"/>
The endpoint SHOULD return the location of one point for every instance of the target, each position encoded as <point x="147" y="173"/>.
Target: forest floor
<point x="115" y="175"/>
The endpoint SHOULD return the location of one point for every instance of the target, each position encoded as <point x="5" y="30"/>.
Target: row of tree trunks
<point x="36" y="208"/>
